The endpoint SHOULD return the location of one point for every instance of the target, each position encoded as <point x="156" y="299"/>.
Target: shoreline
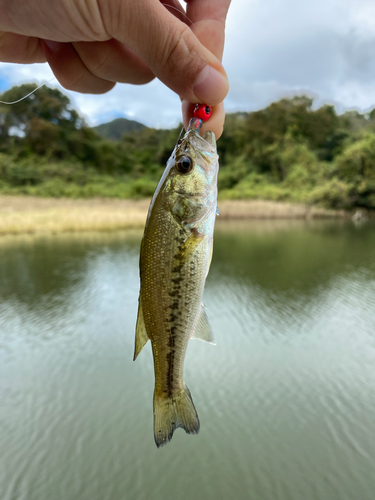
<point x="31" y="215"/>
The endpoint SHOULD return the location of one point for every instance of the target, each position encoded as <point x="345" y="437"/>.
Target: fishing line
<point x="22" y="98"/>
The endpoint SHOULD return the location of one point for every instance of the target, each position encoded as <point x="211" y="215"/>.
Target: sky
<point x="274" y="48"/>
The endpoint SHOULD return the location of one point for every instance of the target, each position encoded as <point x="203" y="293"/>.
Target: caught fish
<point x="176" y="253"/>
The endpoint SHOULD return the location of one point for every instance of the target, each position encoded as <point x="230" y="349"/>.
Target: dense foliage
<point x="287" y="151"/>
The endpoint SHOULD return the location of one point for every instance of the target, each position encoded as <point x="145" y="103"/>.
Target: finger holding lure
<point x="215" y="124"/>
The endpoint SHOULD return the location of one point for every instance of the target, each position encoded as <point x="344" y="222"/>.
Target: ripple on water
<point x="286" y="398"/>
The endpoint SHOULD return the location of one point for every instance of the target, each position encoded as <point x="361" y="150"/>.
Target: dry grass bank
<point x="24" y="214"/>
<point x="34" y="215"/>
<point x="264" y="209"/>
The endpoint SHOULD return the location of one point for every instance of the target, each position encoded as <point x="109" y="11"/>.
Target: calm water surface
<point x="286" y="399"/>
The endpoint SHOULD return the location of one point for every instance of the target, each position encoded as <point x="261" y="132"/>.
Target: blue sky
<point x="274" y="48"/>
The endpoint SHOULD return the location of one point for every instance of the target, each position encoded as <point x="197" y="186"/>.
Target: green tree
<point x="46" y="104"/>
<point x="358" y="160"/>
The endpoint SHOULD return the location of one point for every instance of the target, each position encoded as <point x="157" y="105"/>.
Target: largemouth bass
<point x="176" y="253"/>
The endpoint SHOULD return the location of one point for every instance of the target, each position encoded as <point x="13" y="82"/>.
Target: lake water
<point x="286" y="399"/>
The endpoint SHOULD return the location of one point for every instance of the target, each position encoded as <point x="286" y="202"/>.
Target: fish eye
<point x="184" y="164"/>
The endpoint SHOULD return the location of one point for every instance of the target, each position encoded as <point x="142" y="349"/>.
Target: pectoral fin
<point x="202" y="329"/>
<point x="189" y="245"/>
<point x="141" y="337"/>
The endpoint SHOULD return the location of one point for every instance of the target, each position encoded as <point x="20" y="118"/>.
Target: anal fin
<point x="203" y="329"/>
<point x="141" y="337"/>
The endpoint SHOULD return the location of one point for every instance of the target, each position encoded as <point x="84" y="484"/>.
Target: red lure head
<point x="202" y="111"/>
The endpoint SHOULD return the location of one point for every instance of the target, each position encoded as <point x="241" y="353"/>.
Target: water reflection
<point x="32" y="267"/>
<point x="292" y="255"/>
<point x="286" y="399"/>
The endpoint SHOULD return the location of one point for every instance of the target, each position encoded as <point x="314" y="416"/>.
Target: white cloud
<point x="16" y="74"/>
<point x="319" y="47"/>
<point x="152" y="104"/>
<point x="364" y="16"/>
<point x="258" y="94"/>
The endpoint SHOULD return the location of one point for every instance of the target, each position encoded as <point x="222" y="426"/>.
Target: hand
<point x="92" y="44"/>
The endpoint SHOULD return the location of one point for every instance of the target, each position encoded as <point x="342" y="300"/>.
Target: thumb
<point x="169" y="48"/>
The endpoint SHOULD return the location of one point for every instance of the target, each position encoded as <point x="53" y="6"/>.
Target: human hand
<point x="92" y="44"/>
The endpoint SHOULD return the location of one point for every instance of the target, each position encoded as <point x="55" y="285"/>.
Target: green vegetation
<point x="288" y="151"/>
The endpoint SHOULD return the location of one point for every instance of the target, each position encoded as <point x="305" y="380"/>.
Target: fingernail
<point x="210" y="86"/>
<point x="52" y="45"/>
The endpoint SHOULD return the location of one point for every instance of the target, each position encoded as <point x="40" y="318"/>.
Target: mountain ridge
<point x="116" y="128"/>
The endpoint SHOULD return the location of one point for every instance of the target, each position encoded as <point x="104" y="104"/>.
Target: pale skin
<point x="91" y="45"/>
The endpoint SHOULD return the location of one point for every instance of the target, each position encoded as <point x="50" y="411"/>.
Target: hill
<point x="117" y="128"/>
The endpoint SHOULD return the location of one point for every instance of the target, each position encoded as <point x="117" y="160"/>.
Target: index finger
<point x="208" y="18"/>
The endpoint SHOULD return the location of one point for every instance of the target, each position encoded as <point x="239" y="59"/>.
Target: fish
<point x="175" y="257"/>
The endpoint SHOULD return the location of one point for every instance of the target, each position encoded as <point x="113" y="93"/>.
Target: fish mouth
<point x="209" y="137"/>
<point x="195" y="125"/>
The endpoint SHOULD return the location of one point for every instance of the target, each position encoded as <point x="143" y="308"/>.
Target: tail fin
<point x="173" y="412"/>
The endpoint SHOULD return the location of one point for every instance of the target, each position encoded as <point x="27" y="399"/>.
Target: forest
<point x="291" y="151"/>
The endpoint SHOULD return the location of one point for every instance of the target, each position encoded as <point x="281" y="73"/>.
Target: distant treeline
<point x="287" y="151"/>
